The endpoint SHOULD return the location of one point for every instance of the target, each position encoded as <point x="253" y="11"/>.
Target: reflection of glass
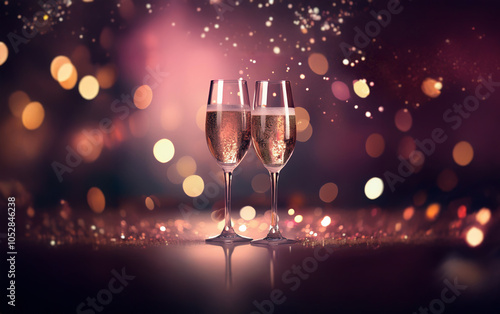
<point x="228" y="249"/>
<point x="273" y="135"/>
<point x="228" y="137"/>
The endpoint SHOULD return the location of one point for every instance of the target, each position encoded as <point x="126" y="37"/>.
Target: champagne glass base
<point x="267" y="241"/>
<point x="228" y="237"/>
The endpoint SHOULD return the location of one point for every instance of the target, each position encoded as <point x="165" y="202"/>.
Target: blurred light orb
<point x="474" y="237"/>
<point x="403" y="120"/>
<point x="328" y="192"/>
<point x="96" y="200"/>
<point x="106" y="76"/>
<point x="340" y="90"/>
<point x="326" y="221"/>
<point x="88" y="87"/>
<point x="374" y="188"/>
<point x="193" y="186"/>
<point x="150" y="204"/>
<point x="408" y="213"/>
<point x="17" y="102"/>
<point x="242" y="228"/>
<point x="305" y="135"/>
<point x="276" y="50"/>
<point x="139" y="123"/>
<point x="291" y="211"/>
<point x="162" y="228"/>
<point x="64" y="72"/>
<point x="33" y="115"/>
<point x="431" y="87"/>
<point x="247" y="213"/>
<point x="164" y="150"/>
<point x="70" y="82"/>
<point x="87" y="145"/>
<point x="261" y="183"/>
<point x="200" y="117"/>
<point x="361" y="88"/>
<point x="432" y="211"/>
<point x="417" y="158"/>
<point x="302" y="117"/>
<point x="447" y="180"/>
<point x="462" y="211"/>
<point x="4" y="52"/>
<point x="463" y="153"/>
<point x="406" y="147"/>
<point x="298" y="218"/>
<point x="318" y="63"/>
<point x="186" y="166"/>
<point x="143" y="96"/>
<point x="56" y="64"/>
<point x="483" y="216"/>
<point x="375" y="145"/>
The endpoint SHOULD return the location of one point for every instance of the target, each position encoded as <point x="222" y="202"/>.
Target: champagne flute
<point x="228" y="136"/>
<point x="273" y="136"/>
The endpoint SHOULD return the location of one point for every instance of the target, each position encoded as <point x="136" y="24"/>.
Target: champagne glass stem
<point x="228" y="176"/>
<point x="274" y="229"/>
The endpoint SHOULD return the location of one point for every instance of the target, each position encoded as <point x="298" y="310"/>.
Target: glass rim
<point x="273" y="81"/>
<point x="228" y="80"/>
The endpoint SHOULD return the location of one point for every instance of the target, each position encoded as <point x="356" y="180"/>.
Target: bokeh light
<point x="88" y="87"/>
<point x="374" y="188"/>
<point x="326" y="221"/>
<point x="483" y="216"/>
<point x="143" y="96"/>
<point x="186" y="166"/>
<point x="340" y="90"/>
<point x="70" y="82"/>
<point x="4" y="52"/>
<point x="298" y="218"/>
<point x="106" y="76"/>
<point x="375" y="145"/>
<point x="33" y="115"/>
<point x="164" y="150"/>
<point x="56" y="64"/>
<point x="432" y="211"/>
<point x="408" y="213"/>
<point x="96" y="200"/>
<point x="431" y="87"/>
<point x="403" y="120"/>
<point x="462" y="211"/>
<point x="261" y="183"/>
<point x="302" y="118"/>
<point x="328" y="192"/>
<point x="242" y="228"/>
<point x="150" y="204"/>
<point x="361" y="88"/>
<point x="463" y="153"/>
<point x="291" y="211"/>
<point x="474" y="236"/>
<point x="305" y="135"/>
<point x="318" y="63"/>
<point x="193" y="186"/>
<point x="247" y="213"/>
<point x="17" y="102"/>
<point x="447" y="180"/>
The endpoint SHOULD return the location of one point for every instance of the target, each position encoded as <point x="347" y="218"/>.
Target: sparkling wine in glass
<point x="228" y="133"/>
<point x="273" y="136"/>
